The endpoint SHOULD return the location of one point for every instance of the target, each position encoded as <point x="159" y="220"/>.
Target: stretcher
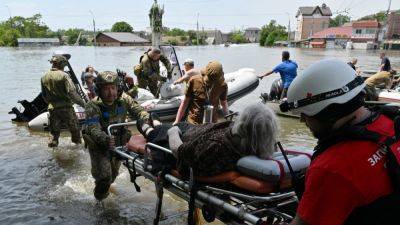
<point x="258" y="192"/>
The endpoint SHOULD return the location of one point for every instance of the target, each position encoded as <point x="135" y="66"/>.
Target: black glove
<point x="169" y="76"/>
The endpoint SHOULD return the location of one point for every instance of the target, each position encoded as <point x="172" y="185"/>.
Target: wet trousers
<point x="371" y="94"/>
<point x="65" y="115"/>
<point x="104" y="170"/>
<point x="150" y="83"/>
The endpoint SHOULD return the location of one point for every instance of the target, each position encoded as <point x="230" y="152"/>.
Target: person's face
<point x="354" y="62"/>
<point x="382" y="55"/>
<point x="154" y="56"/>
<point x="109" y="93"/>
<point x="91" y="70"/>
<point x="90" y="80"/>
<point x="317" y="128"/>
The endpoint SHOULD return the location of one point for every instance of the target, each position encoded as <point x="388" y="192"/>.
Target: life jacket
<point x="383" y="210"/>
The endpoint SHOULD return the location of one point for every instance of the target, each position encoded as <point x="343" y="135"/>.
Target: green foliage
<point x="339" y="20"/>
<point x="121" y="27"/>
<point x="184" y="38"/>
<point x="16" y="27"/>
<point x="172" y="42"/>
<point x="175" y="32"/>
<point x="238" y="37"/>
<point x="272" y="32"/>
<point x="192" y="34"/>
<point x="73" y="35"/>
<point x="380" y="16"/>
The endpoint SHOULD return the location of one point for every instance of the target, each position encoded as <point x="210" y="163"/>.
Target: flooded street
<point x="39" y="185"/>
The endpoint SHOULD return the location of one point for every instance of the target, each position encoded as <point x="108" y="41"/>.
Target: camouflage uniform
<point x="59" y="92"/>
<point x="149" y="74"/>
<point x="99" y="116"/>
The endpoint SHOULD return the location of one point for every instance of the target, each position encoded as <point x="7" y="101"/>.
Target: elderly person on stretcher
<point x="214" y="148"/>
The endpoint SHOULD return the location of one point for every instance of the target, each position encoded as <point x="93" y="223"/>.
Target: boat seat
<point x="275" y="168"/>
<point x="261" y="176"/>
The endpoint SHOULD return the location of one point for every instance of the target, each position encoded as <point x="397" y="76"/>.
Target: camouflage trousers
<point x="67" y="116"/>
<point x="150" y="83"/>
<point x="105" y="167"/>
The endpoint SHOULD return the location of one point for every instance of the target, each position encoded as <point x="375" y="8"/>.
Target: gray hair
<point x="257" y="127"/>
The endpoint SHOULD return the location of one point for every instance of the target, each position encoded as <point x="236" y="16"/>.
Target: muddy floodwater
<point x="39" y="185"/>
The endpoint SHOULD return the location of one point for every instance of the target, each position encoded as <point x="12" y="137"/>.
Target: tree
<point x="380" y="16"/>
<point x="18" y="26"/>
<point x="238" y="37"/>
<point x="121" y="27"/>
<point x="339" y="20"/>
<point x="175" y="32"/>
<point x="73" y="34"/>
<point x="272" y="32"/>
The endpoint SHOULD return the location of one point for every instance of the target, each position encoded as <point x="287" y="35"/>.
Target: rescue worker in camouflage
<point x="148" y="70"/>
<point x="59" y="92"/>
<point x="111" y="106"/>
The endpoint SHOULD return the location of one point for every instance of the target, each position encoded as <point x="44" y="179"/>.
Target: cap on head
<point x="189" y="62"/>
<point x="59" y="61"/>
<point x="323" y="83"/>
<point x="213" y="73"/>
<point x="154" y="51"/>
<point x="106" y="77"/>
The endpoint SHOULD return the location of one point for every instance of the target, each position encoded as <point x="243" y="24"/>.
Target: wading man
<point x="59" y="92"/>
<point x="108" y="108"/>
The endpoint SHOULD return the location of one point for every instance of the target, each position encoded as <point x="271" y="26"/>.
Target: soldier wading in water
<point x="59" y="92"/>
<point x="108" y="108"/>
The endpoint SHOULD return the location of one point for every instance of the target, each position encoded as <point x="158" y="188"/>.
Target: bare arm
<point x="267" y="74"/>
<point x="182" y="79"/>
<point x="182" y="108"/>
<point x="225" y="109"/>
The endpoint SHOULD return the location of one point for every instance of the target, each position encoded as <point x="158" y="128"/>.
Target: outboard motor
<point x="274" y="93"/>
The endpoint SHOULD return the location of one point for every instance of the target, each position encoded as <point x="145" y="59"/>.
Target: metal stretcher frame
<point x="243" y="207"/>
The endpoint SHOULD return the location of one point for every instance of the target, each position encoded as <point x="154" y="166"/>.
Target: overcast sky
<point x="225" y="15"/>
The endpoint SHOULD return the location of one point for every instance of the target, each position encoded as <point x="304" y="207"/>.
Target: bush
<point x="121" y="27"/>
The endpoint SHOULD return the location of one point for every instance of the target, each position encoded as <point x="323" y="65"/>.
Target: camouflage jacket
<point x="58" y="90"/>
<point x="152" y="67"/>
<point x="99" y="116"/>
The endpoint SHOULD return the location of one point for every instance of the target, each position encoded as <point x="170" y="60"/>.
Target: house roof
<point x="366" y="24"/>
<point x="124" y="37"/>
<point x="334" y="32"/>
<point x="310" y="10"/>
<point x="253" y="29"/>
<point x="38" y="40"/>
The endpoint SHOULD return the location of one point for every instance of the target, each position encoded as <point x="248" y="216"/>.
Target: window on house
<point x="358" y="31"/>
<point x="370" y="31"/>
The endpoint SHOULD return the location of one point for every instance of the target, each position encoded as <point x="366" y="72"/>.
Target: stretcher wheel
<point x="208" y="214"/>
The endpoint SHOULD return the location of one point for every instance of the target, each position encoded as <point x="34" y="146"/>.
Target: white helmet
<point x="323" y="83"/>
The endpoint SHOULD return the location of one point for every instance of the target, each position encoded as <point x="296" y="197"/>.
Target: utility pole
<point x="288" y="37"/>
<point x="197" y="32"/>
<point x="9" y="11"/>
<point x="94" y="28"/>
